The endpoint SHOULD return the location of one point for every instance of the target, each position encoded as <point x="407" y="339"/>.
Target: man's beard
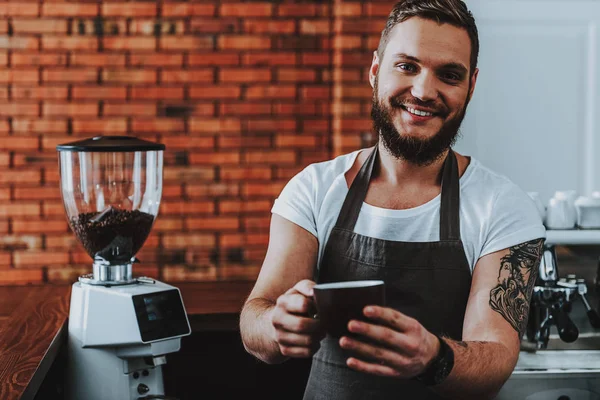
<point x="417" y="151"/>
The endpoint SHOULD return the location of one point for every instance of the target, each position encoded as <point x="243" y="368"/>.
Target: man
<point x="457" y="245"/>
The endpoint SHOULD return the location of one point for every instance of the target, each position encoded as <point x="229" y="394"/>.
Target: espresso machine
<point x="121" y="327"/>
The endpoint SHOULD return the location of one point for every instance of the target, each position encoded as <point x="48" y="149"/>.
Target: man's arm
<point x="497" y="310"/>
<point x="290" y="259"/>
<point x="495" y="320"/>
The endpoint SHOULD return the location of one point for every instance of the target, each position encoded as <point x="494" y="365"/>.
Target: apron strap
<point x="356" y="194"/>
<point x="450" y="201"/>
<point x="449" y="207"/>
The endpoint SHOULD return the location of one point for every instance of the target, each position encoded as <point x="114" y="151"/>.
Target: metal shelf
<point x="573" y="237"/>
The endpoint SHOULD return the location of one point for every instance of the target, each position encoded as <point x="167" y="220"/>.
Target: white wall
<point x="535" y="114"/>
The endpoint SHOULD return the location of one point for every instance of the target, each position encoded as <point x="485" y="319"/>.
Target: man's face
<point x="421" y="89"/>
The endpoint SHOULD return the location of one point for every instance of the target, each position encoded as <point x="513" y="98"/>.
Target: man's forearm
<point x="255" y="327"/>
<point x="480" y="370"/>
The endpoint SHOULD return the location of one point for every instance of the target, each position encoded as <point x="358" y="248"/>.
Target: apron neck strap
<point x="449" y="208"/>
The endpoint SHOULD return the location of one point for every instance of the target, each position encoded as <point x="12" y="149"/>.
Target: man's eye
<point x="451" y="76"/>
<point x="407" y="67"/>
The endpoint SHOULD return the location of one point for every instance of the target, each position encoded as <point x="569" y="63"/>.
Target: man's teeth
<point x="419" y="113"/>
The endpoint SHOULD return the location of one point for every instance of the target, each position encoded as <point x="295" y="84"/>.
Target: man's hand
<point x="395" y="345"/>
<point x="295" y="330"/>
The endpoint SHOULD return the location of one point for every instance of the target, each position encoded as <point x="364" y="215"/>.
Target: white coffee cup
<point x="561" y="212"/>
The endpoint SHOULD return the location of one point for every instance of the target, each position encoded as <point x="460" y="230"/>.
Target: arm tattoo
<point x="518" y="272"/>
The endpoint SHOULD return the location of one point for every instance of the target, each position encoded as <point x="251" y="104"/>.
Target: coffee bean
<point x="113" y="233"/>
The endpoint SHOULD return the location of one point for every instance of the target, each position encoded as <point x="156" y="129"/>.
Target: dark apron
<point x="429" y="281"/>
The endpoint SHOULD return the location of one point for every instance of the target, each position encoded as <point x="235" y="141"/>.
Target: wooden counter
<point x="33" y="326"/>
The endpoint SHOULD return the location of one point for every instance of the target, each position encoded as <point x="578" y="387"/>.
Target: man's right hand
<point x="296" y="331"/>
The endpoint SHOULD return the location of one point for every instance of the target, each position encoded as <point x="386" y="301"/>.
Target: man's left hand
<point x="395" y="345"/>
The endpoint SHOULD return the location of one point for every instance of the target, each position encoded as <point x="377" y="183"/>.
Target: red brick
<point x="256" y="224"/>
<point x="170" y="76"/>
<point x="170" y="125"/>
<point x="297" y="10"/>
<point x="129" y="43"/>
<point x="156" y="60"/>
<point x="245" y="109"/>
<point x="350" y="9"/>
<point x="3" y="58"/>
<point x="348" y="75"/>
<point x="70" y="9"/>
<point x="271" y="189"/>
<point x="214" y="158"/>
<point x="316" y="92"/>
<point x="39" y="126"/>
<point x="130" y="109"/>
<point x="19" y="76"/>
<point x="4" y="92"/>
<point x="99" y="93"/>
<point x="39" y="26"/>
<point x="295" y="141"/>
<point x="181" y="207"/>
<point x="70" y="109"/>
<point x="212" y="224"/>
<point x="97" y="59"/>
<point x="168" y="225"/>
<point x="180" y="9"/>
<point x="363" y="26"/>
<point x="319" y="125"/>
<point x="186" y="43"/>
<point x="320" y="59"/>
<point x="315" y="26"/>
<point x="69" y="43"/>
<point x="212" y="189"/>
<point x="20" y="209"/>
<point x="50" y="143"/>
<point x="270" y="157"/>
<point x="219" y="59"/>
<point x="246" y="9"/>
<point x="190" y="174"/>
<point x="148" y="27"/>
<point x="19" y="9"/>
<point x="14" y="109"/>
<point x="244" y="42"/>
<point x="356" y="91"/>
<point x="188" y="142"/>
<point x="242" y="75"/>
<point x="91" y="26"/>
<point x="275" y="125"/>
<point x="229" y="173"/>
<point x="39" y="258"/>
<point x="129" y="76"/>
<point x="20" y="144"/>
<point x="296" y="75"/>
<point x="244" y="142"/>
<point x="378" y="9"/>
<point x="214" y="25"/>
<point x="3" y="26"/>
<point x="347" y="42"/>
<point x="373" y="42"/>
<point x="244" y="207"/>
<point x="40" y="93"/>
<point x="203" y="273"/>
<point x="21" y="276"/>
<point x="269" y="26"/>
<point x="157" y="93"/>
<point x="104" y="125"/>
<point x="70" y="75"/>
<point x="271" y="92"/>
<point x="19" y="42"/>
<point x="5" y="258"/>
<point x="5" y="162"/>
<point x="39" y="193"/>
<point x="53" y="208"/>
<point x="288" y="109"/>
<point x="123" y="9"/>
<point x="263" y="59"/>
<point x="214" y="92"/>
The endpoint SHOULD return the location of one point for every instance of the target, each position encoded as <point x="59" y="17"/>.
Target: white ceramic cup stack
<point x="588" y="211"/>
<point x="561" y="212"/>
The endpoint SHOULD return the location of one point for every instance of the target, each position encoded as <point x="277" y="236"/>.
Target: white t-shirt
<point x="494" y="212"/>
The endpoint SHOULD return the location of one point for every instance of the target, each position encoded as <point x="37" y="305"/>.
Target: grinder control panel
<point x="160" y="315"/>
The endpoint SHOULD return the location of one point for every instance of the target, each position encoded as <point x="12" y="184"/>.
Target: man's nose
<point x="424" y="86"/>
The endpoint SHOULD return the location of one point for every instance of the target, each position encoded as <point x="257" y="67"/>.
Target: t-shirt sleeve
<point x="296" y="202"/>
<point x="514" y="219"/>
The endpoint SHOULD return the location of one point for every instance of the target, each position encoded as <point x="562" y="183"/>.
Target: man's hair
<point x="453" y="12"/>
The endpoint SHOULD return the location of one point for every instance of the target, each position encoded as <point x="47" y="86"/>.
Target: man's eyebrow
<point x="451" y="65"/>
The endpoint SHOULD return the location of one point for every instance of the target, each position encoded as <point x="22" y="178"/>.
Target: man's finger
<point x="305" y="287"/>
<point x="295" y="323"/>
<point x="390" y="317"/>
<point x="296" y="303"/>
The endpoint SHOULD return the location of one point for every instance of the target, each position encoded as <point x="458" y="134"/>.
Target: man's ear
<point x="374" y="68"/>
<point x="473" y="82"/>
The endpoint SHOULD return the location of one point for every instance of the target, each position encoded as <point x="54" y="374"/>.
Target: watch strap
<point x="441" y="366"/>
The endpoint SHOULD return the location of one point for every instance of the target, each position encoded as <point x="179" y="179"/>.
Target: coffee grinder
<point x="121" y="327"/>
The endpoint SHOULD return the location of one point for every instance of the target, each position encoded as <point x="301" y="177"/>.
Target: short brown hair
<point x="454" y="12"/>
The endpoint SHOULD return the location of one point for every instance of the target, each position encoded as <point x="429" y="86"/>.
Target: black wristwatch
<point x="439" y="368"/>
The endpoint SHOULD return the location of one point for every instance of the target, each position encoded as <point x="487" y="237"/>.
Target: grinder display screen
<point x="160" y="315"/>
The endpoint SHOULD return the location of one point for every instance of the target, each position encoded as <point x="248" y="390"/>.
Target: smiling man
<point x="457" y="245"/>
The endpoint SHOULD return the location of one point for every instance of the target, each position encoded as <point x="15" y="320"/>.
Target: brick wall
<point x="243" y="94"/>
